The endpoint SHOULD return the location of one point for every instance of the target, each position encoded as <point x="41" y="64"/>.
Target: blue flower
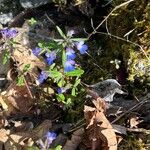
<point x="62" y="90"/>
<point x="70" y="53"/>
<point x="50" y="136"/>
<point x="69" y="66"/>
<point x="81" y="47"/>
<point x="50" y="57"/>
<point x="8" y="33"/>
<point x="43" y="76"/>
<point x="36" y="51"/>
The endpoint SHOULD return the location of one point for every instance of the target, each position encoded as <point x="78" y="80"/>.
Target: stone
<point x="107" y="89"/>
<point x="6" y="18"/>
<point x="33" y="3"/>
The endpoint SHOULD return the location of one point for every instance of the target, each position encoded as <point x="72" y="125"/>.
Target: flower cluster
<point x="70" y="52"/>
<point x="70" y="55"/>
<point x="8" y="33"/>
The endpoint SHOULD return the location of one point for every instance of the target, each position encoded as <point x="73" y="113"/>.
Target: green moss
<point x="134" y="16"/>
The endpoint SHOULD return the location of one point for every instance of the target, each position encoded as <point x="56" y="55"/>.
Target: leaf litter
<point x="97" y="132"/>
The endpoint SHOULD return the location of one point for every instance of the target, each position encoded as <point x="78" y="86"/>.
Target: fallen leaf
<point x="99" y="132"/>
<point x="133" y="121"/>
<point x="75" y="140"/>
<point x="4" y="105"/>
<point x="3" y="135"/>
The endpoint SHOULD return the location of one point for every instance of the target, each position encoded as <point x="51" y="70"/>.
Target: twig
<point x="28" y="89"/>
<point x="139" y="130"/>
<point x="105" y="20"/>
<point x="128" y="41"/>
<point x="117" y="7"/>
<point x="131" y="109"/>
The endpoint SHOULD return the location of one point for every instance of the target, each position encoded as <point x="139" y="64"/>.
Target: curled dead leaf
<point x="75" y="140"/>
<point x="99" y="131"/>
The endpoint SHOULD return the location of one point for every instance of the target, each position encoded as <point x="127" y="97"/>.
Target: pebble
<point x="33" y="3"/>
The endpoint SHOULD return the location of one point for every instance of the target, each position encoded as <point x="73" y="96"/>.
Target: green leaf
<point x="61" y="32"/>
<point x="32" y="148"/>
<point x="79" y="39"/>
<point x="73" y="91"/>
<point x="59" y="147"/>
<point x="32" y="21"/>
<point x="77" y="73"/>
<point x="55" y="74"/>
<point x="61" y="83"/>
<point x="77" y="82"/>
<point x="20" y="80"/>
<point x="52" y="66"/>
<point x="26" y="68"/>
<point x="6" y="56"/>
<point x="63" y="58"/>
<point x="69" y="101"/>
<point x="61" y="98"/>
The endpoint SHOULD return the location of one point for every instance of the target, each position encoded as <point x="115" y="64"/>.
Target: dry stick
<point x="117" y="7"/>
<point x="139" y="130"/>
<point x="28" y="89"/>
<point x="132" y="108"/>
<point x="128" y="41"/>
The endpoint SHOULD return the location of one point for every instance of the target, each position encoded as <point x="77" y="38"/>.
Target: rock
<point x="106" y="89"/>
<point x="33" y="3"/>
<point x="6" y="18"/>
<point x="8" y="9"/>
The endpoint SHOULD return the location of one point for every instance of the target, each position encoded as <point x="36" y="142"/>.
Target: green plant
<point x="60" y="55"/>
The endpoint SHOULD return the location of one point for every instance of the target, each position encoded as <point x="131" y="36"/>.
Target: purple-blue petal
<point x="42" y="77"/>
<point x="50" y="57"/>
<point x="70" y="53"/>
<point x="69" y="66"/>
<point x="81" y="47"/>
<point x="8" y="33"/>
<point x="62" y="90"/>
<point x="50" y="136"/>
<point x="49" y="60"/>
<point x="36" y="51"/>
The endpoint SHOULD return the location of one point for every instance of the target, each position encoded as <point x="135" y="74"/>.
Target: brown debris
<point x="99" y="132"/>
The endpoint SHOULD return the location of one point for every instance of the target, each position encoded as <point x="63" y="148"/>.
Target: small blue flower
<point x="43" y="76"/>
<point x="50" y="57"/>
<point x="36" y="51"/>
<point x="69" y="66"/>
<point x="81" y="47"/>
<point x="62" y="90"/>
<point x="70" y="53"/>
<point x="8" y="33"/>
<point x="50" y="136"/>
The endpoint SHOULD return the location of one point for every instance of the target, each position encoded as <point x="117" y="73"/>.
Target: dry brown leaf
<point x="75" y="140"/>
<point x="24" y="138"/>
<point x="4" y="105"/>
<point x="133" y="121"/>
<point x="18" y="100"/>
<point x="3" y="135"/>
<point x="99" y="131"/>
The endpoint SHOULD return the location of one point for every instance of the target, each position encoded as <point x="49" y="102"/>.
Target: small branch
<point x="117" y="7"/>
<point x="125" y="40"/>
<point x="132" y="108"/>
<point x="139" y="130"/>
<point x="27" y="86"/>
